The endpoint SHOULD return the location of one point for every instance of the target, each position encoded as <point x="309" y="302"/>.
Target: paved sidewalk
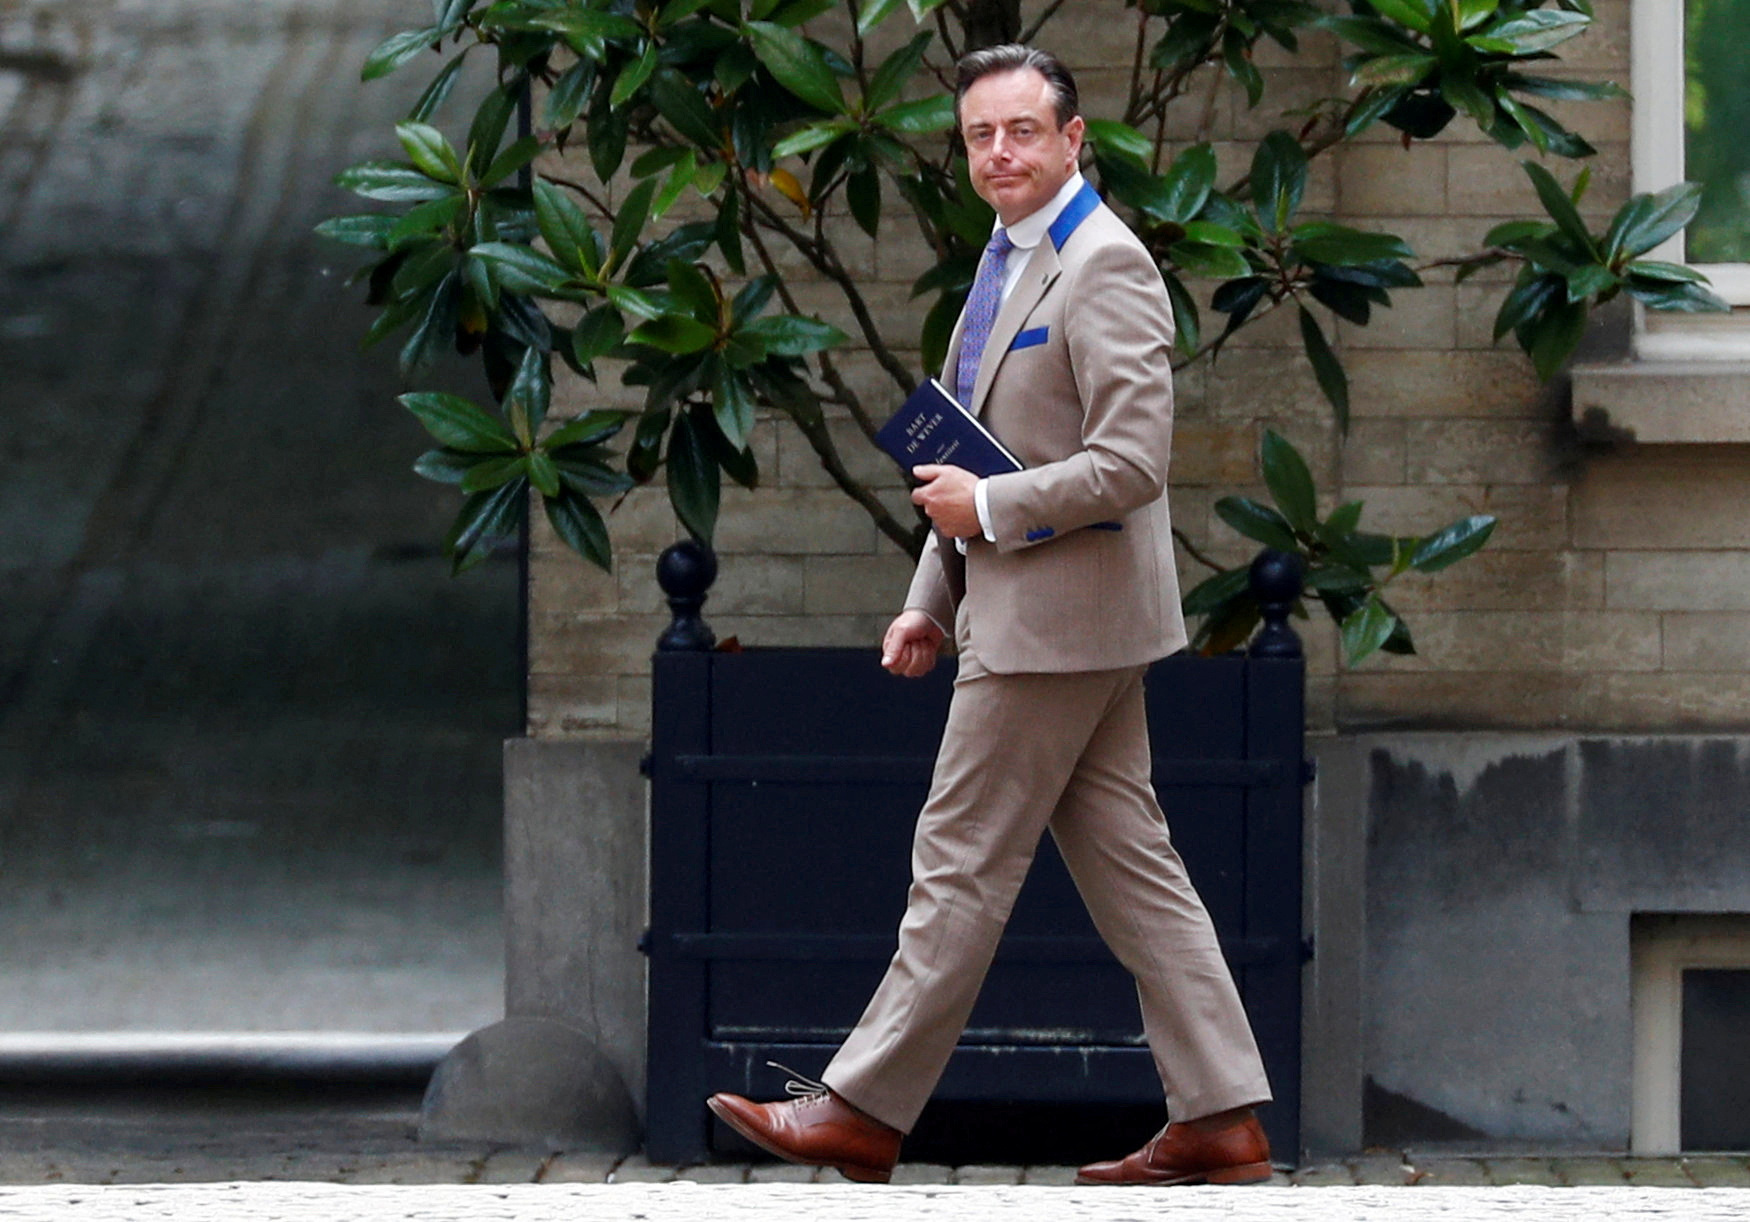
<point x="851" y="1203"/>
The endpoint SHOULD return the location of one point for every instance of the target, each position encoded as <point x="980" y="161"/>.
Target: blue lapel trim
<point x="1073" y="214"/>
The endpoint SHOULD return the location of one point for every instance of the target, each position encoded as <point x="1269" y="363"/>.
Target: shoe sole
<point x="1246" y="1173"/>
<point x="857" y="1174"/>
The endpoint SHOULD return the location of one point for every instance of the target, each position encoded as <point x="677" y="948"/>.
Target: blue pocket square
<point x="1030" y="339"/>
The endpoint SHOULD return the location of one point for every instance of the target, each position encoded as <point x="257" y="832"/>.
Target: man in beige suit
<point x="1059" y="585"/>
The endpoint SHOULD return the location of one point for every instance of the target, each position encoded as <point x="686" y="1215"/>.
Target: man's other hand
<point x="946" y="495"/>
<point x="910" y="646"/>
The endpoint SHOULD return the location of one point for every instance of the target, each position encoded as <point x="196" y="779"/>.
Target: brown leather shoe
<point x="816" y="1130"/>
<point x="1228" y="1151"/>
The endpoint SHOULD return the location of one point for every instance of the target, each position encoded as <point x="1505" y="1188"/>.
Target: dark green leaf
<point x="1256" y="521"/>
<point x="486" y="133"/>
<point x="874" y="13"/>
<point x="430" y="153"/>
<point x="1327" y="243"/>
<point x="543" y="474"/>
<point x="1367" y="629"/>
<point x="371" y="231"/>
<point x="1278" y="178"/>
<point x="793" y="335"/>
<point x="674" y="333"/>
<point x="1111" y="136"/>
<point x="732" y="401"/>
<point x="798" y="66"/>
<point x="728" y="233"/>
<point x="1326" y="367"/>
<point x="1212" y="593"/>
<point x="490" y="473"/>
<point x="681" y="103"/>
<point x="1289" y="481"/>
<point x="434" y="217"/>
<point x="1528" y="298"/>
<point x="810" y="138"/>
<point x="531" y="393"/>
<point x="896" y="71"/>
<point x="633" y="76"/>
<point x="591" y="428"/>
<point x="694" y="483"/>
<point x="579" y="524"/>
<point x="1370" y="35"/>
<point x="629" y="222"/>
<point x="438" y="91"/>
<point x="1647" y="220"/>
<point x="521" y="268"/>
<point x="565" y="229"/>
<point x="397" y="49"/>
<point x="645" y="454"/>
<point x="392" y="181"/>
<point x="569" y="94"/>
<point x="1207" y="260"/>
<point x="1551" y="337"/>
<point x="512" y="159"/>
<point x="484" y="520"/>
<point x="1452" y="544"/>
<point x="863" y="194"/>
<point x="1416" y="14"/>
<point x="1186" y="323"/>
<point x="445" y="466"/>
<point x="926" y="115"/>
<point x="458" y="424"/>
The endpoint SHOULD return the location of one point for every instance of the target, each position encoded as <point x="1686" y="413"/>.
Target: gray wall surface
<point x="1495" y="886"/>
<point x="249" y="726"/>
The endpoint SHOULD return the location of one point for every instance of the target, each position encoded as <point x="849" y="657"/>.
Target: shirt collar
<point x="1030" y="230"/>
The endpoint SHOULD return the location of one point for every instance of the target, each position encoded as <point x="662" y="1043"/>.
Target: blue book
<point x="933" y="427"/>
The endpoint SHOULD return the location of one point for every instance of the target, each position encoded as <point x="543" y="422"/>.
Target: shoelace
<point x="800" y="1086"/>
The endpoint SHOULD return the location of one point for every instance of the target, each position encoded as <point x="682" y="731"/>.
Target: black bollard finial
<point x="685" y="571"/>
<point x="1275" y="580"/>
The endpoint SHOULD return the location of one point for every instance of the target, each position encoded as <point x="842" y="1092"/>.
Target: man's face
<point x="1019" y="155"/>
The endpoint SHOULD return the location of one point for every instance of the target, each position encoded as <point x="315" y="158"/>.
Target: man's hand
<point x="946" y="495"/>
<point x="910" y="646"/>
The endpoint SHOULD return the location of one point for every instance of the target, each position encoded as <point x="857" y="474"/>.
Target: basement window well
<point x="1691" y="995"/>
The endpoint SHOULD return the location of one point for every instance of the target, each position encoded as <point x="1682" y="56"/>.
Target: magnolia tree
<point x="777" y="114"/>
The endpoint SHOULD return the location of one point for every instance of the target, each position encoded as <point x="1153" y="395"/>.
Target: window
<point x="1692" y="106"/>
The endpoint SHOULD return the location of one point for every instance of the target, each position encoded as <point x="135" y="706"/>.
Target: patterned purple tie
<point x="982" y="304"/>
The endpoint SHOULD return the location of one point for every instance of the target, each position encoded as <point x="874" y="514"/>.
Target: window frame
<point x="1657" y="135"/>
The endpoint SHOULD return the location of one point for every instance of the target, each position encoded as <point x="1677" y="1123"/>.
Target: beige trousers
<point x="1022" y="753"/>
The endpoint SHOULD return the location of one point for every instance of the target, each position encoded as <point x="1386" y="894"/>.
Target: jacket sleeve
<point x="1119" y="332"/>
<point x="930" y="591"/>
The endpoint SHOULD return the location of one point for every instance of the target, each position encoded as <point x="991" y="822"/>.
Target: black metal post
<point x="685" y="571"/>
<point x="1275" y="579"/>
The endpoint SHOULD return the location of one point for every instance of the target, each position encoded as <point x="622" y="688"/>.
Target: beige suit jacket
<point x="1077" y="381"/>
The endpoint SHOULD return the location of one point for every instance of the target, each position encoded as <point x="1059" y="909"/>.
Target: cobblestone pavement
<point x="851" y="1203"/>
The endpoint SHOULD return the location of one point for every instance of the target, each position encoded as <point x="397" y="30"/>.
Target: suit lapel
<point x="1042" y="269"/>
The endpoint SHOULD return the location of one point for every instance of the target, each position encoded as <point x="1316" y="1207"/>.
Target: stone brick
<point x="1213" y="453"/>
<point x="714" y="1173"/>
<point x="1718" y="1171"/>
<point x="634" y="692"/>
<point x="1323" y="1174"/>
<point x="1486" y="180"/>
<point x="1625" y="499"/>
<point x="799" y="466"/>
<point x="749" y="583"/>
<point x="1523" y="641"/>
<point x="562" y="581"/>
<point x="565" y="705"/>
<point x="1434" y="699"/>
<point x="1387" y="180"/>
<point x="987" y="1174"/>
<point x="782" y="1173"/>
<point x="1275" y="385"/>
<point x="1678" y="581"/>
<point x="1506" y="1171"/>
<point x="639" y="1170"/>
<point x="1656" y="1173"/>
<point x="1452" y="1172"/>
<point x="1495" y="580"/>
<point x="856" y="631"/>
<point x="511" y="1167"/>
<point x="922" y="1173"/>
<point x="562" y="644"/>
<point x="1423" y="318"/>
<point x="857" y="585"/>
<point x="1477" y="451"/>
<point x="1707" y="641"/>
<point x="1531" y="516"/>
<point x="1669" y="701"/>
<point x="1443" y="384"/>
<point x="1374" y="452"/>
<point x="579" y="1168"/>
<point x="1056" y="1177"/>
<point x="785" y="521"/>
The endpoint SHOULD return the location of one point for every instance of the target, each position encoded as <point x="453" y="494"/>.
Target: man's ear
<point x="1075" y="129"/>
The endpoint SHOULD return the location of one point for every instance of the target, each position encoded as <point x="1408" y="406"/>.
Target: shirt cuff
<point x="981" y="502"/>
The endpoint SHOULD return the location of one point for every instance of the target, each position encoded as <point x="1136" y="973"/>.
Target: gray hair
<point x="1010" y="57"/>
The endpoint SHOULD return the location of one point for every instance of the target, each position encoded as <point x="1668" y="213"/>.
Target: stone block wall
<point x="1615" y="594"/>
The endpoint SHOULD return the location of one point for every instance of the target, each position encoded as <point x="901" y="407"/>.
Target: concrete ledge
<point x="1660" y="402"/>
<point x="54" y="1056"/>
